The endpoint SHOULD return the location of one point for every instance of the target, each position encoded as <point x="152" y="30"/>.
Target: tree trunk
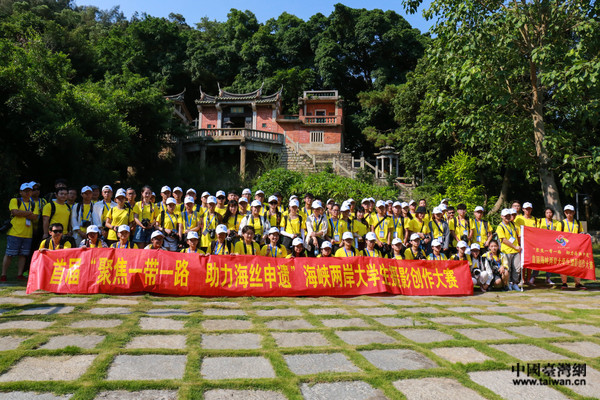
<point x="503" y="194"/>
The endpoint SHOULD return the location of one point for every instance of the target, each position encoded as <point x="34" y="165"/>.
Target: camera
<point x="85" y="224"/>
<point x="257" y="238"/>
<point x="146" y="223"/>
<point x="231" y="236"/>
<point x="212" y="233"/>
<point x="464" y="238"/>
<point x="173" y="234"/>
<point x="476" y="273"/>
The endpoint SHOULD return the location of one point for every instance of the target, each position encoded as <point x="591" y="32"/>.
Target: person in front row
<point x="123" y="242"/>
<point x="347" y="249"/>
<point x="92" y="239"/>
<point x="192" y="241"/>
<point x="481" y="274"/>
<point x="414" y="252"/>
<point x="156" y="241"/>
<point x="247" y="246"/>
<point x="55" y="242"/>
<point x="498" y="263"/>
<point x="325" y="249"/>
<point x="370" y="250"/>
<point x="273" y="249"/>
<point x="397" y="245"/>
<point x="298" y="249"/>
<point x="571" y="225"/>
<point x="462" y="255"/>
<point x="221" y="246"/>
<point x="436" y="248"/>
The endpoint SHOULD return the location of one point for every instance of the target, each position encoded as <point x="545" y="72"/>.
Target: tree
<point x="527" y="66"/>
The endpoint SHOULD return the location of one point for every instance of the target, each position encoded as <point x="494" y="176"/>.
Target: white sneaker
<point x="549" y="282"/>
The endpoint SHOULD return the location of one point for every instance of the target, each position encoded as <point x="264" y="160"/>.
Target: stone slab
<point x="376" y="311"/>
<point x="15" y="300"/>
<point x="397" y="302"/>
<point x="360" y="302"/>
<point x="117" y="302"/>
<point x="110" y="310"/>
<point x="233" y="341"/>
<point x="236" y="368"/>
<point x="466" y="309"/>
<point x="146" y="367"/>
<point x="463" y="355"/>
<point x="585" y="349"/>
<point x="97" y="323"/>
<point x="345" y="323"/>
<point x="20" y="324"/>
<point x="225" y="324"/>
<point x="391" y="321"/>
<point x="157" y="342"/>
<point x="397" y="359"/>
<point x="226" y="304"/>
<point x="141" y="395"/>
<point x="358" y="338"/>
<point x="279" y="312"/>
<point x="543" y="317"/>
<point x="222" y="311"/>
<point x="424" y="335"/>
<point x="584" y="329"/>
<point x="300" y="339"/>
<point x="19" y="293"/>
<point x="505" y="309"/>
<point x="592" y="384"/>
<point x="284" y="324"/>
<point x="495" y="319"/>
<point x="162" y="324"/>
<point x="501" y="382"/>
<point x="352" y="390"/>
<point x="485" y="334"/>
<point x="228" y="394"/>
<point x="535" y="331"/>
<point x="10" y="342"/>
<point x="435" y="388"/>
<point x="48" y="368"/>
<point x="451" y="321"/>
<point x="424" y="310"/>
<point x="167" y="312"/>
<point x="315" y="302"/>
<point x="170" y="303"/>
<point x="306" y="364"/>
<point x="81" y="341"/>
<point x="66" y="300"/>
<point x="48" y="310"/>
<point x="33" y="396"/>
<point x="270" y="303"/>
<point x="527" y="352"/>
<point x="328" y="311"/>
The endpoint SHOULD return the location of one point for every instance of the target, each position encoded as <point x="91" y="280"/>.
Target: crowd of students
<point x="253" y="224"/>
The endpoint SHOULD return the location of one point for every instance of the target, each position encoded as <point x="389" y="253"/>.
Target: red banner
<point x="118" y="271"/>
<point x="560" y="252"/>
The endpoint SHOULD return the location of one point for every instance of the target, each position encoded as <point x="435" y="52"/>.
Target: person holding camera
<point x="436" y="250"/>
<point x="381" y="225"/>
<point x="101" y="208"/>
<point x="168" y="222"/>
<point x="117" y="216"/>
<point x="92" y="240"/>
<point x="508" y="235"/>
<point x="209" y="223"/>
<point x="192" y="239"/>
<point x="415" y="252"/>
<point x="144" y="215"/>
<point x="247" y="246"/>
<point x="316" y="227"/>
<point x="221" y="246"/>
<point x="439" y="230"/>
<point x="498" y="264"/>
<point x="273" y="249"/>
<point x="232" y="220"/>
<point x="82" y="214"/>
<point x="190" y="221"/>
<point x="56" y="240"/>
<point x="260" y="225"/>
<point x="292" y="225"/>
<point x="370" y="250"/>
<point x="124" y="232"/>
<point x="481" y="274"/>
<point x="418" y="226"/>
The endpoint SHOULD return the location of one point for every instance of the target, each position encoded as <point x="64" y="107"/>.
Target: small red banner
<point x="119" y="271"/>
<point x="560" y="252"/>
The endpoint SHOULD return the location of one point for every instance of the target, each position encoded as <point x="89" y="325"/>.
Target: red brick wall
<point x="209" y="116"/>
<point x="329" y="107"/>
<point x="264" y="115"/>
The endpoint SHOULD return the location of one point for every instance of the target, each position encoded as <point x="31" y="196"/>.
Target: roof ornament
<point x="220" y="90"/>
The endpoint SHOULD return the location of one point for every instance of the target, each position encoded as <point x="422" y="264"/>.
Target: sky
<point x="194" y="10"/>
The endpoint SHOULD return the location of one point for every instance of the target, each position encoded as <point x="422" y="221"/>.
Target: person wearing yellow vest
<point x="247" y="246"/>
<point x="307" y="210"/>
<point x="260" y="225"/>
<point x="414" y="252"/>
<point x="273" y="214"/>
<point x="92" y="239"/>
<point x="436" y="251"/>
<point x="19" y="237"/>
<point x="381" y="225"/>
<point x="398" y="223"/>
<point x="190" y="220"/>
<point x="243" y="209"/>
<point x="192" y="240"/>
<point x="298" y="249"/>
<point x="232" y="219"/>
<point x="82" y="214"/>
<point x="347" y="249"/>
<point x="221" y="207"/>
<point x="482" y="230"/>
<point x="222" y="246"/>
<point x="325" y="250"/>
<point x="571" y="225"/>
<point x="102" y="207"/>
<point x="527" y="220"/>
<point x="117" y="216"/>
<point x="370" y="250"/>
<point x="346" y="219"/>
<point x="316" y="227"/>
<point x="498" y="264"/>
<point x="144" y="215"/>
<point x="335" y="227"/>
<point x="247" y="194"/>
<point x="156" y="241"/>
<point x="397" y="246"/>
<point x="460" y="226"/>
<point x="547" y="223"/>
<point x="62" y="212"/>
<point x="417" y="226"/>
<point x="124" y="232"/>
<point x="54" y="242"/>
<point x="292" y="225"/>
<point x="168" y="222"/>
<point x="508" y="235"/>
<point x="481" y="274"/>
<point x="439" y="229"/>
<point x="516" y="213"/>
<point x="209" y="224"/>
<point x="461" y="255"/>
<point x="360" y="227"/>
<point x="272" y="249"/>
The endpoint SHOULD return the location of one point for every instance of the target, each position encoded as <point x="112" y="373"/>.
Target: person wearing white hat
<point x="117" y="216"/>
<point x="92" y="239"/>
<point x="144" y="215"/>
<point x="480" y="273"/>
<point x="345" y="217"/>
<point x="221" y="246"/>
<point x="381" y="226"/>
<point x="347" y="249"/>
<point x="248" y="246"/>
<point x="336" y="227"/>
<point x="124" y="232"/>
<point x="316" y="228"/>
<point x="370" y="250"/>
<point x="440" y="231"/>
<point x="82" y="214"/>
<point x="412" y="205"/>
<point x="570" y="225"/>
<point x="328" y="205"/>
<point x="298" y="249"/>
<point x="272" y="249"/>
<point x="204" y="203"/>
<point x="243" y="206"/>
<point x="165" y="193"/>
<point x="397" y="247"/>
<point x="190" y="220"/>
<point x="259" y="195"/>
<point x="210" y="221"/>
<point x="156" y="241"/>
<point x="461" y="254"/>
<point x="169" y="223"/>
<point x="257" y="221"/>
<point x="273" y="214"/>
<point x="293" y="225"/>
<point x="436" y="251"/>
<point x="192" y="240"/>
<point x="326" y="249"/>
<point x="508" y="236"/>
<point x="482" y="229"/>
<point x="221" y="207"/>
<point x="461" y="226"/>
<point x="415" y="252"/>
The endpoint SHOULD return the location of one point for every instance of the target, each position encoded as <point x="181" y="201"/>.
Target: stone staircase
<point x="290" y="159"/>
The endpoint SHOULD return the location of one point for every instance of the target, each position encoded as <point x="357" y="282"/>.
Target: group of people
<point x="253" y="224"/>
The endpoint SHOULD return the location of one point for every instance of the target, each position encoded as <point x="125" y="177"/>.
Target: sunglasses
<point x="57" y="231"/>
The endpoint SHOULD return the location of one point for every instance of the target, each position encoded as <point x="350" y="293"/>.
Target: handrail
<point x="237" y="133"/>
<point x="297" y="147"/>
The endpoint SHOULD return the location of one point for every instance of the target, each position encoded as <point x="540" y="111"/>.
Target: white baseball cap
<point x="272" y="198"/>
<point x="294" y="203"/>
<point x="121" y="192"/>
<point x="26" y="186"/>
<point x="220" y="193"/>
<point x="204" y="194"/>
<point x="445" y="201"/>
<point x="256" y="203"/>
<point x="156" y="234"/>
<point x="165" y="189"/>
<point x="380" y="203"/>
<point x="221" y="229"/>
<point x="92" y="229"/>
<point x="347" y="235"/>
<point x="443" y="207"/>
<point x="437" y="210"/>
<point x="273" y="230"/>
<point x="317" y="204"/>
<point x="188" y="199"/>
<point x="171" y="200"/>
<point x="211" y="199"/>
<point x="527" y="205"/>
<point x="350" y="200"/>
<point x="435" y="243"/>
<point x="124" y="228"/>
<point x="330" y="201"/>
<point x="192" y="235"/>
<point x="505" y="212"/>
<point x="246" y="191"/>
<point x="106" y="187"/>
<point x="569" y="207"/>
<point x="478" y="208"/>
<point x="404" y="204"/>
<point x="396" y="241"/>
<point x="83" y="189"/>
<point x="344" y="207"/>
<point x="178" y="189"/>
<point x="462" y="243"/>
<point x="259" y="192"/>
<point x="397" y="204"/>
<point x="415" y="236"/>
<point x="388" y="202"/>
<point x="243" y="200"/>
<point x="371" y="236"/>
<point x="475" y="246"/>
<point x="297" y="241"/>
<point x="326" y="245"/>
<point x="512" y="210"/>
<point x="190" y="190"/>
<point x="365" y="200"/>
<point x="412" y="202"/>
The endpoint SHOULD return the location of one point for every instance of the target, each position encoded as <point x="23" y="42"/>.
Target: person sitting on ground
<point x="156" y="241"/>
<point x="498" y="264"/>
<point x="55" y="242"/>
<point x="462" y="255"/>
<point x="397" y="246"/>
<point x="414" y="252"/>
<point x="325" y="249"/>
<point x="92" y="239"/>
<point x="192" y="241"/>
<point x="298" y="249"/>
<point x="273" y="249"/>
<point x="480" y="272"/>
<point x="436" y="248"/>
<point x="370" y="250"/>
<point x="221" y="246"/>
<point x="123" y="242"/>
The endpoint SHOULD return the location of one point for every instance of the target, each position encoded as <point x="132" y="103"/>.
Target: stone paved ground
<point x="149" y="347"/>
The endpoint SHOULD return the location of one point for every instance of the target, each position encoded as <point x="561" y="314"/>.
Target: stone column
<point x="242" y="158"/>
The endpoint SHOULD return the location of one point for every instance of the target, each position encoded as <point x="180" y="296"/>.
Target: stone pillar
<point x="377" y="168"/>
<point x="242" y="158"/>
